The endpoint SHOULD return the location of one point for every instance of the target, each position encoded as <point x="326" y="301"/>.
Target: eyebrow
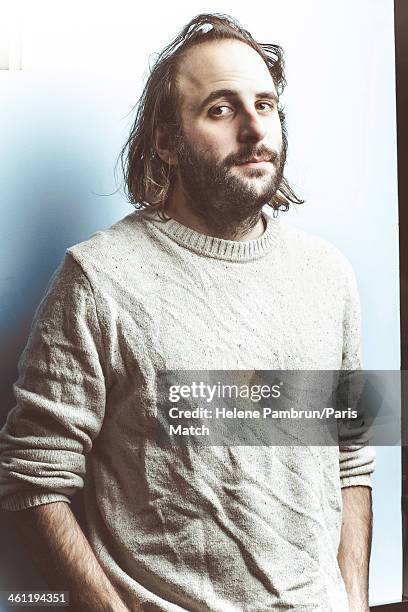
<point x="230" y="93"/>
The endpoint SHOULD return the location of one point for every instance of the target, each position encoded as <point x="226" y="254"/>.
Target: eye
<point x="265" y="106"/>
<point x="220" y="111"/>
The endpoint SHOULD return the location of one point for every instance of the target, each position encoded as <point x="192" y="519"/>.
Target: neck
<point x="179" y="210"/>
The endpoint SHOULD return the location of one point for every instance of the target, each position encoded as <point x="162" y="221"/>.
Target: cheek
<point x="274" y="140"/>
<point x="213" y="139"/>
<point x="275" y="130"/>
<point x="280" y="133"/>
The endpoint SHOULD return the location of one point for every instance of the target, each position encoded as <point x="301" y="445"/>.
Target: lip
<point x="256" y="163"/>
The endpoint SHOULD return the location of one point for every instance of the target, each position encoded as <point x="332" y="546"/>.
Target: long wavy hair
<point x="149" y="180"/>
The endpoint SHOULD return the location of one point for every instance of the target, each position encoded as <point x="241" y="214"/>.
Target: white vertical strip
<point x="10" y="35"/>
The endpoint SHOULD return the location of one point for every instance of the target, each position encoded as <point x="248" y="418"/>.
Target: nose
<point x="252" y="128"/>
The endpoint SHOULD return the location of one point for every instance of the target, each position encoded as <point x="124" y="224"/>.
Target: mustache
<point x="249" y="152"/>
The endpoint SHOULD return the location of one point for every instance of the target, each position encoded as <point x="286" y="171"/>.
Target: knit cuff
<point x="23" y="501"/>
<point x="361" y="480"/>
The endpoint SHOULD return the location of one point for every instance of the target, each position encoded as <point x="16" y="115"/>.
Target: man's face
<point x="229" y="151"/>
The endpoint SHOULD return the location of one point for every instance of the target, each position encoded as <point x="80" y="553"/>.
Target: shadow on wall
<point x="49" y="203"/>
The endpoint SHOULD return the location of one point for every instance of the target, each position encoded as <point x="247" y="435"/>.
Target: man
<point x="201" y="278"/>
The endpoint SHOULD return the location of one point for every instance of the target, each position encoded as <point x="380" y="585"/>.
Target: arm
<point x="60" y="409"/>
<point x="356" y="465"/>
<point x="355" y="545"/>
<point x="65" y="558"/>
<point x="60" y="397"/>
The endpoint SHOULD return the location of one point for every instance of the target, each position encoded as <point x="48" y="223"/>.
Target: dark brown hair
<point x="148" y="180"/>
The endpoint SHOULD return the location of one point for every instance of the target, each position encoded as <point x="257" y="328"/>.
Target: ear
<point x="164" y="146"/>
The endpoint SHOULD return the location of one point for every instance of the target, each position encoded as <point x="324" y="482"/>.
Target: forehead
<point x="227" y="64"/>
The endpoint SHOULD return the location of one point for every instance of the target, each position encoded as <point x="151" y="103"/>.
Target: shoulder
<point x="114" y="259"/>
<point x="113" y="254"/>
<point x="110" y="244"/>
<point x="313" y="253"/>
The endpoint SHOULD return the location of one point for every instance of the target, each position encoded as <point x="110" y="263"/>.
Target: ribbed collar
<point x="230" y="250"/>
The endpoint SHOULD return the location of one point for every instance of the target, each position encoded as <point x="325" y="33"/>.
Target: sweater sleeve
<point x="60" y="395"/>
<point x="356" y="462"/>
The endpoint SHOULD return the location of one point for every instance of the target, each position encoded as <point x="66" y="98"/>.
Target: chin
<point x="255" y="175"/>
<point x="257" y="185"/>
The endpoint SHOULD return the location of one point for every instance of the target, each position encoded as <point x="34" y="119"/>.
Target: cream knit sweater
<point x="225" y="529"/>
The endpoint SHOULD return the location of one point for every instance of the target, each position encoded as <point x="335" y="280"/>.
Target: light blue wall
<point x="64" y="118"/>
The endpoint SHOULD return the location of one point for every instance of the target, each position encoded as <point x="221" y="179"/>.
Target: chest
<point x="232" y="319"/>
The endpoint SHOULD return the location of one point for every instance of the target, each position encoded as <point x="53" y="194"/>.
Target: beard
<point x="228" y="203"/>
